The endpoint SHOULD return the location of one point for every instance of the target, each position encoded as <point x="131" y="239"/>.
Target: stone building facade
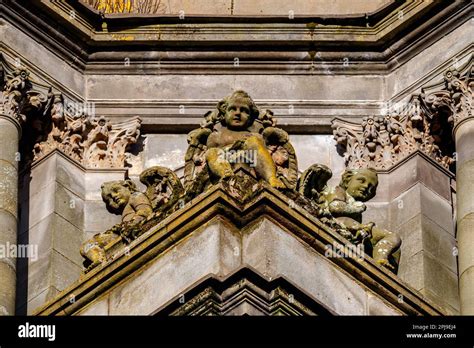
<point x="96" y="91"/>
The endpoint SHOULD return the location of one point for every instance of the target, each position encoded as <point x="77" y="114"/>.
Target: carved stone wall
<point x="170" y="89"/>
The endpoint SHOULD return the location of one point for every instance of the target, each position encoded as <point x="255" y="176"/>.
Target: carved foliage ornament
<point x="456" y="98"/>
<point x="49" y="124"/>
<point x="425" y="124"/>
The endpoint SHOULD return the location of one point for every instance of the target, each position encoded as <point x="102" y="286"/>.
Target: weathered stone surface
<point x="70" y="175"/>
<point x="165" y="150"/>
<point x="411" y="270"/>
<point x="406" y="206"/>
<point x="8" y="235"/>
<point x="9" y="142"/>
<point x="441" y="282"/>
<point x="8" y="188"/>
<point x="272" y="252"/>
<point x="465" y="203"/>
<point x="7" y="289"/>
<point x="95" y="178"/>
<point x="99" y="307"/>
<point x="440" y="244"/>
<point x="319" y="148"/>
<point x="437" y="209"/>
<point x="465" y="241"/>
<point x="376" y="306"/>
<point x="378" y="212"/>
<point x="39" y="274"/>
<point x="302" y="7"/>
<point x="41" y="204"/>
<point x="41" y="298"/>
<point x="67" y="239"/>
<point x="205" y="87"/>
<point x="464" y="148"/>
<point x="411" y="233"/>
<point x="64" y="271"/>
<point x="64" y="74"/>
<point x="404" y="79"/>
<point x="69" y="206"/>
<point x="466" y="284"/>
<point x="416" y="170"/>
<point x="97" y="218"/>
<point x="173" y="272"/>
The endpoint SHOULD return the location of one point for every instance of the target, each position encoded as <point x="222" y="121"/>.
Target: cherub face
<point x="362" y="185"/>
<point x="237" y="116"/>
<point x="116" y="196"/>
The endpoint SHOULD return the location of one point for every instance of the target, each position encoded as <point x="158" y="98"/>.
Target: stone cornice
<point x="217" y="203"/>
<point x="380" y="44"/>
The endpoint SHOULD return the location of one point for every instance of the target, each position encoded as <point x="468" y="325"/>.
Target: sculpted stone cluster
<point x="240" y="147"/>
<point x="122" y="197"/>
<point x="424" y="124"/>
<point x="92" y="141"/>
<point x="341" y="207"/>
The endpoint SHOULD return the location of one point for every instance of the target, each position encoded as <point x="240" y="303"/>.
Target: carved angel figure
<point x="345" y="204"/>
<point x="122" y="197"/>
<point x="237" y="132"/>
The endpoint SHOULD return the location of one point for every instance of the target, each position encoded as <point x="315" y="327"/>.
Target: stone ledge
<point x="296" y="222"/>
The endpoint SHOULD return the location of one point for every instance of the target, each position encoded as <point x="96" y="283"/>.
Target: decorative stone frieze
<point x="382" y="142"/>
<point x="425" y="124"/>
<point x="94" y="142"/>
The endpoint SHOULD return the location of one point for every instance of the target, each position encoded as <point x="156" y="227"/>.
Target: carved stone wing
<point x="163" y="187"/>
<point x="314" y="180"/>
<point x="283" y="154"/>
<point x="195" y="168"/>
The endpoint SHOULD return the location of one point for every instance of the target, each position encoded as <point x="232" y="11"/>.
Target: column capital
<point x="50" y="122"/>
<point x="427" y="123"/>
<point x="20" y="96"/>
<point x="455" y="100"/>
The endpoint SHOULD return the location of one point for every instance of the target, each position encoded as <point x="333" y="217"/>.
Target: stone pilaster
<point x="464" y="135"/>
<point x="455" y="103"/>
<point x="415" y="202"/>
<point x="422" y="212"/>
<point x="9" y="137"/>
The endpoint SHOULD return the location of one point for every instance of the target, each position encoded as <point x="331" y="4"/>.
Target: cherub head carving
<point x="237" y="111"/>
<point x="360" y="183"/>
<point x="116" y="194"/>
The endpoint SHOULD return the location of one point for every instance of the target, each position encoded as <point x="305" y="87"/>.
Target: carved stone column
<point x="9" y="137"/>
<point x="464" y="134"/>
<point x="461" y="91"/>
<point x="454" y="103"/>
<point x="428" y="125"/>
<point x="61" y="141"/>
<point x="16" y="101"/>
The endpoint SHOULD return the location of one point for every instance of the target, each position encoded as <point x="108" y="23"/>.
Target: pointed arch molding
<point x="49" y="122"/>
<point x="426" y="124"/>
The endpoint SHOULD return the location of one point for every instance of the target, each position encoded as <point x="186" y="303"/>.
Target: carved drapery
<point x="92" y="141"/>
<point x="425" y="124"/>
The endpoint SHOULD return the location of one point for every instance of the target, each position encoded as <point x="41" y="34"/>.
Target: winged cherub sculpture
<point x="238" y="132"/>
